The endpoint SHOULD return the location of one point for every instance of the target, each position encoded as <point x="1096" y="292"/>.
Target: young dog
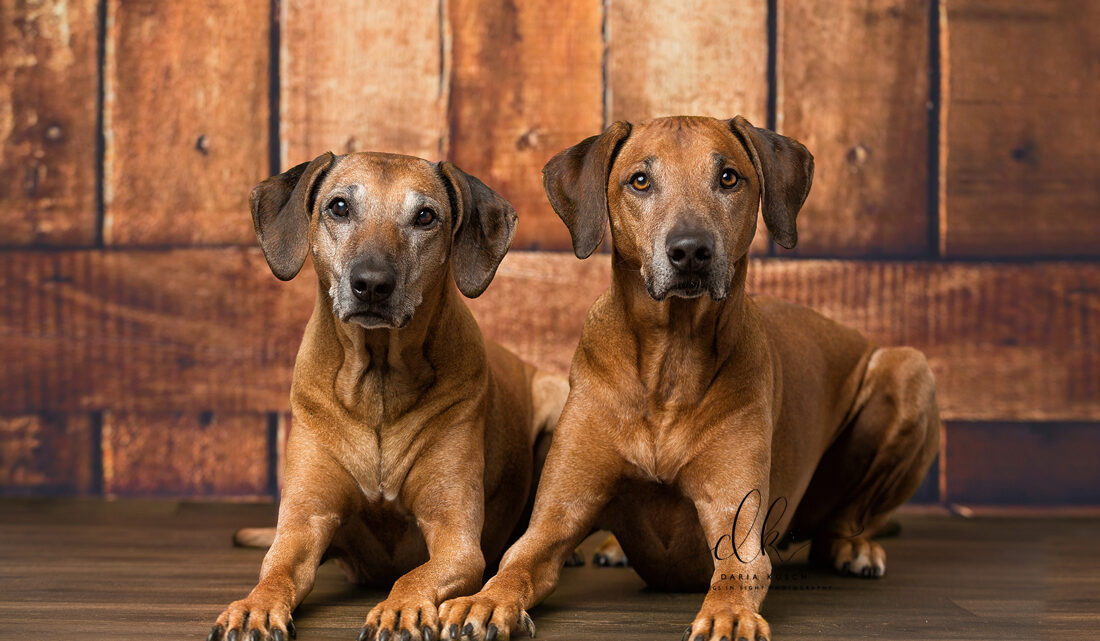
<point x="412" y="456"/>
<point x="704" y="425"/>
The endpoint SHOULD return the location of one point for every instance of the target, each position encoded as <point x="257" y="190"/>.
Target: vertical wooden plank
<point x="361" y="76"/>
<point x="47" y="454"/>
<point x="853" y="86"/>
<point x="700" y="57"/>
<point x="1023" y="127"/>
<point x="48" y="87"/>
<point x="527" y="82"/>
<point x="185" y="120"/>
<point x="184" y="454"/>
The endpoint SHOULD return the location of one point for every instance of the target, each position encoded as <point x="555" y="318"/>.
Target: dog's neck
<point x="681" y="343"/>
<point x="386" y="370"/>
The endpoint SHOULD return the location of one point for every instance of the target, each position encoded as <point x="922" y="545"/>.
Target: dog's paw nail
<point x="491" y="632"/>
<point x="277" y="635"/>
<point x="687" y="633"/>
<point x="426" y="632"/>
<point x="452" y="632"/>
<point x="384" y="634"/>
<point x="215" y="633"/>
<point x="468" y="630"/>
<point x="234" y="634"/>
<point x="405" y="635"/>
<point x="366" y="633"/>
<point x="291" y="630"/>
<point x="699" y="637"/>
<point x="529" y="625"/>
<point x="254" y="635"/>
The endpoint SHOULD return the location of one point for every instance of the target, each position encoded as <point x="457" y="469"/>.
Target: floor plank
<point x="140" y="569"/>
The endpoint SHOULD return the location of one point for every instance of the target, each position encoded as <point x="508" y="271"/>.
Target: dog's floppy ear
<point x="484" y="224"/>
<point x="281" y="207"/>
<point x="575" y="181"/>
<point x="785" y="169"/>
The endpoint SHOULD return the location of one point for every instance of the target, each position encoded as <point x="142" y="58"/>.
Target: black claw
<point x="491" y="632"/>
<point x="468" y="630"/>
<point x="529" y="625"/>
<point x="761" y="638"/>
<point x="366" y="633"/>
<point x="277" y="635"/>
<point x="234" y="634"/>
<point x="384" y="634"/>
<point x="452" y="632"/>
<point x="724" y="639"/>
<point x="255" y="635"/>
<point x="687" y="633"/>
<point x="699" y="637"/>
<point x="426" y="632"/>
<point x="405" y="635"/>
<point x="742" y="639"/>
<point x="215" y="633"/>
<point x="291" y="630"/>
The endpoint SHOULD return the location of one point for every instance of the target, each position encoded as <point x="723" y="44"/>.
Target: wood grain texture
<point x="185" y="454"/>
<point x="185" y="329"/>
<point x="75" y="568"/>
<point x="702" y="57"/>
<point x="526" y="82"/>
<point x="1022" y="463"/>
<point x="185" y="120"/>
<point x="361" y="76"/>
<point x="212" y="329"/>
<point x="1023" y="125"/>
<point x="48" y="86"/>
<point x="853" y="86"/>
<point x="48" y="453"/>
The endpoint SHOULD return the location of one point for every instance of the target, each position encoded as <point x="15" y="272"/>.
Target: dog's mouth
<point x="688" y="287"/>
<point x="374" y="319"/>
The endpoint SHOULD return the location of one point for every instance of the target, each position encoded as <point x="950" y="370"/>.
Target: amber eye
<point x="639" y="181"/>
<point x="338" y="207"/>
<point x="425" y="217"/>
<point x="729" y="178"/>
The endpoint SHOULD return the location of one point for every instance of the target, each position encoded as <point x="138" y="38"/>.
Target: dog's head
<point x="682" y="195"/>
<point x="384" y="230"/>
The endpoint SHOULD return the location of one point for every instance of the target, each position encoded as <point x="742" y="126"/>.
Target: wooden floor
<point x="164" y="570"/>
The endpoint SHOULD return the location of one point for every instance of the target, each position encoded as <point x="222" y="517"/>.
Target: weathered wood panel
<point x="182" y="329"/>
<point x="48" y="453"/>
<point x="185" y="120"/>
<point x="1022" y="101"/>
<point x="853" y="86"/>
<point x="188" y="329"/>
<point x="185" y="454"/>
<point x="702" y="57"/>
<point x="361" y="76"/>
<point x="48" y="86"/>
<point x="526" y="83"/>
<point x="1022" y="463"/>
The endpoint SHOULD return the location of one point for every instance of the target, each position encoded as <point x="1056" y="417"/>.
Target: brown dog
<point x="412" y="453"/>
<point x="703" y="424"/>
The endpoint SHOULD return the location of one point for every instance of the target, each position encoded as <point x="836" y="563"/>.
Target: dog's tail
<point x="254" y="537"/>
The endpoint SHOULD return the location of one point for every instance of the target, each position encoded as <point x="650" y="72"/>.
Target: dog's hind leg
<point x="875" y="465"/>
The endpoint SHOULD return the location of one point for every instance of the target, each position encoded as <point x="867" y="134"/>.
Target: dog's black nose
<point x="372" y="281"/>
<point x="690" y="251"/>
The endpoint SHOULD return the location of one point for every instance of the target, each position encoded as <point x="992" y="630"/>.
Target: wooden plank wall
<point x="145" y="350"/>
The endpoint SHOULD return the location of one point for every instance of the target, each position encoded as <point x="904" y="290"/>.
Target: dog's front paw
<point x="401" y="619"/>
<point x="254" y="619"/>
<point x="484" y="617"/>
<point x="728" y="624"/>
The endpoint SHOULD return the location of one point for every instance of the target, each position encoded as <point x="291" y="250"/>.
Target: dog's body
<point x="412" y="456"/>
<point x="703" y="425"/>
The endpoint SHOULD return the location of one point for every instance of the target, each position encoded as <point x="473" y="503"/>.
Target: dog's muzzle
<point x="688" y="266"/>
<point x="371" y="283"/>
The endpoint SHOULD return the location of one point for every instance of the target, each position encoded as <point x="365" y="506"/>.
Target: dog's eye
<point x="425" y="217"/>
<point x="729" y="178"/>
<point x="639" y="181"/>
<point x="338" y="207"/>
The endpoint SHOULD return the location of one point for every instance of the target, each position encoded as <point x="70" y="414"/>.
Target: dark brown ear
<point x="575" y="181"/>
<point x="484" y="226"/>
<point x="281" y="207"/>
<point x="785" y="169"/>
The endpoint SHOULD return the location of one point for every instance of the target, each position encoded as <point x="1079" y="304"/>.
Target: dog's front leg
<point x="446" y="495"/>
<point x="732" y="503"/>
<point x="316" y="496"/>
<point x="576" y="484"/>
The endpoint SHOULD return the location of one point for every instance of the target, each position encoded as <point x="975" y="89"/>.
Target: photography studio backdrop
<point x="146" y="350"/>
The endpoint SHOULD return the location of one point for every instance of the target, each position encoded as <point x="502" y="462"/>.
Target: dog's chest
<point x="659" y="447"/>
